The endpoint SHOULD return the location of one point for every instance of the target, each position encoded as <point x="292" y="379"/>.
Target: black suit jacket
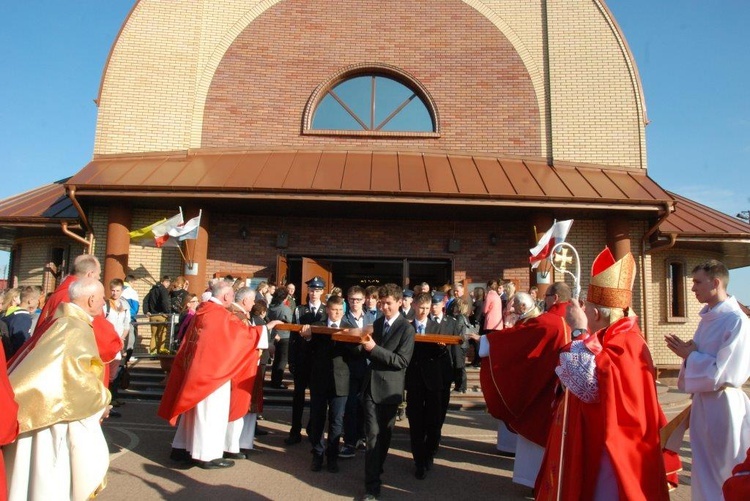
<point x="330" y="369"/>
<point x="298" y="347"/>
<point x="386" y="373"/>
<point x="431" y="365"/>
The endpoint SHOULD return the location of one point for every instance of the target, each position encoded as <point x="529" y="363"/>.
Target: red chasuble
<point x="625" y="422"/>
<point x="217" y="348"/>
<point x="8" y="419"/>
<point x="518" y="377"/>
<point x="107" y="339"/>
<point x="737" y="487"/>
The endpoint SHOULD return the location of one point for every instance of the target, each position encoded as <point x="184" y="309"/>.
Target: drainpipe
<point x="87" y="242"/>
<point x="669" y="209"/>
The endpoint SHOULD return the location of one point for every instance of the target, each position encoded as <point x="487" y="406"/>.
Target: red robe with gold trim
<point x="625" y="422"/>
<point x="108" y="341"/>
<point x="217" y="347"/>
<point x="518" y="377"/>
<point x="8" y="419"/>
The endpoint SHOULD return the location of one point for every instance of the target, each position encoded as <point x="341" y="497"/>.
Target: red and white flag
<point x="187" y="231"/>
<point x="552" y="237"/>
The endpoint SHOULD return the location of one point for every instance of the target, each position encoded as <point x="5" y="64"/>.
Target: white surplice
<point x="202" y="429"/>
<point x="720" y="415"/>
<point x="528" y="461"/>
<point x="65" y="461"/>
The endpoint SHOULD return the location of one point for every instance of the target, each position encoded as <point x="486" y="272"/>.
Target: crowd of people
<point x="571" y="382"/>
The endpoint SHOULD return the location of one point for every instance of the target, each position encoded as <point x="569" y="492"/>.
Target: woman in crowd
<point x="279" y="311"/>
<point x="477" y="320"/>
<point x="188" y="311"/>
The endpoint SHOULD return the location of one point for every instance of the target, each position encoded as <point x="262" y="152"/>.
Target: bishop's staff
<point x="560" y="260"/>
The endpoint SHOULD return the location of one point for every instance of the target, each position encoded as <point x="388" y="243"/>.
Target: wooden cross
<point x="563" y="259"/>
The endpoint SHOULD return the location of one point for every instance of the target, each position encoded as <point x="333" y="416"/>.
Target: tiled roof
<point x="46" y="204"/>
<point x="691" y="219"/>
<point x="395" y="175"/>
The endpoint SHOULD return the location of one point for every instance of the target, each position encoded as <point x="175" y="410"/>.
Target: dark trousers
<point x="424" y="410"/>
<point x="379" y="422"/>
<point x="476" y="361"/>
<point x="301" y="383"/>
<point x="354" y="421"/>
<point x="335" y="406"/>
<point x="459" y="378"/>
<point x="280" y="360"/>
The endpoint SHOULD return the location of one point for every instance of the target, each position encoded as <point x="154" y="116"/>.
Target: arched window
<point x="371" y="100"/>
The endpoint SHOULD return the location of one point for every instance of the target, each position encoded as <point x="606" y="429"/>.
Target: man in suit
<point x="329" y="386"/>
<point x="354" y="423"/>
<point x="389" y="351"/>
<point x="428" y="374"/>
<point x="299" y="358"/>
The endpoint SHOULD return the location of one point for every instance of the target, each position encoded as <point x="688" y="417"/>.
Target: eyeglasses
<point x="356" y="299"/>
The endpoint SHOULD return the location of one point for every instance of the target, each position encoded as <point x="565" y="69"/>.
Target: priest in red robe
<point x="518" y="378"/>
<point x="107" y="340"/>
<point x="8" y="419"/>
<point x="604" y="442"/>
<point x="211" y="380"/>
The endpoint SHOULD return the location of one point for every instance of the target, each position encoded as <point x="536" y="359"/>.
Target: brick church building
<point x="372" y="141"/>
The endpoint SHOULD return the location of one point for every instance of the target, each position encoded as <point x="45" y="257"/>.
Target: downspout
<point x="669" y="209"/>
<point x="88" y="242"/>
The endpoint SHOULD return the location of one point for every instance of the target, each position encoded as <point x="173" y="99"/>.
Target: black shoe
<point x="179" y="455"/>
<point x="317" y="462"/>
<point x="214" y="464"/>
<point x="234" y="455"/>
<point x="261" y="418"/>
<point x="260" y="432"/>
<point x="332" y="466"/>
<point x="421" y="473"/>
<point x="114" y="413"/>
<point x="293" y="438"/>
<point x="250" y="452"/>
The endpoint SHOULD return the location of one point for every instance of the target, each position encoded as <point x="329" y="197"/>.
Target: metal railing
<point x="142" y="351"/>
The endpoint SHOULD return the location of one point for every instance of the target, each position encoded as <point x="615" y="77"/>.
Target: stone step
<point x="147" y="381"/>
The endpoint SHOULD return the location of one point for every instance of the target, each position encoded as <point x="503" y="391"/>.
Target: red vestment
<point x="518" y="377"/>
<point x="217" y="347"/>
<point x="737" y="487"/>
<point x="625" y="423"/>
<point x="108" y="341"/>
<point x="8" y="419"/>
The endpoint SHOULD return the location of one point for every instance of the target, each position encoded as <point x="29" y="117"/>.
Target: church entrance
<point x="345" y="272"/>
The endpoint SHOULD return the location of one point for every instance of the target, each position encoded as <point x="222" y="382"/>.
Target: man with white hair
<point x="61" y="452"/>
<point x="222" y="347"/>
<point x="107" y="339"/>
<point x="518" y="378"/>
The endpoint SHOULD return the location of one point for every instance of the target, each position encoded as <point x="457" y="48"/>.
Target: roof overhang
<point x="371" y="177"/>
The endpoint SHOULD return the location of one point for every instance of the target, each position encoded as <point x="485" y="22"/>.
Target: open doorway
<point x="345" y="272"/>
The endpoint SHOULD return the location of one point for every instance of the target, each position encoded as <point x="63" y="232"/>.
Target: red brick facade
<point x="482" y="90"/>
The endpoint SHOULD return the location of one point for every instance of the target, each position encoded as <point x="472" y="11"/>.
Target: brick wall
<point x="34" y="257"/>
<point x="166" y="61"/>
<point x="482" y="89"/>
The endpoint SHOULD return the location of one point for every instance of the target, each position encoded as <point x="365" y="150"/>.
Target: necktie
<point x="335" y="326"/>
<point x="386" y="328"/>
<point x="420" y="329"/>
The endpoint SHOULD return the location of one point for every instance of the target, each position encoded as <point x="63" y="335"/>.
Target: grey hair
<point x="84" y="287"/>
<point x="218" y="288"/>
<point x="524" y="298"/>
<point x="242" y="293"/>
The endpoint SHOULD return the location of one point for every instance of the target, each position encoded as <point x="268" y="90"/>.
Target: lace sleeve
<point x="577" y="371"/>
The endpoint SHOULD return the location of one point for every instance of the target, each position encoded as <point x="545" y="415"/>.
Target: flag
<point x="153" y="234"/>
<point x="187" y="231"/>
<point x="552" y="237"/>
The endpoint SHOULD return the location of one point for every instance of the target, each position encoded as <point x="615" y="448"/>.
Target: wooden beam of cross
<point x="563" y="259"/>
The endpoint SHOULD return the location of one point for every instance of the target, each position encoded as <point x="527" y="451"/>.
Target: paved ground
<point x="466" y="467"/>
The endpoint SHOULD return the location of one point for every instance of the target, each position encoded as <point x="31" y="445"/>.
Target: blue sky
<point x="692" y="55"/>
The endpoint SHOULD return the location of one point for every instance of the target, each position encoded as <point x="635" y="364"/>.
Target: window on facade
<point x="676" y="290"/>
<point x="373" y="103"/>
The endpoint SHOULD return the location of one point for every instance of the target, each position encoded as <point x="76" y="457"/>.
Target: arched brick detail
<point x="481" y="85"/>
